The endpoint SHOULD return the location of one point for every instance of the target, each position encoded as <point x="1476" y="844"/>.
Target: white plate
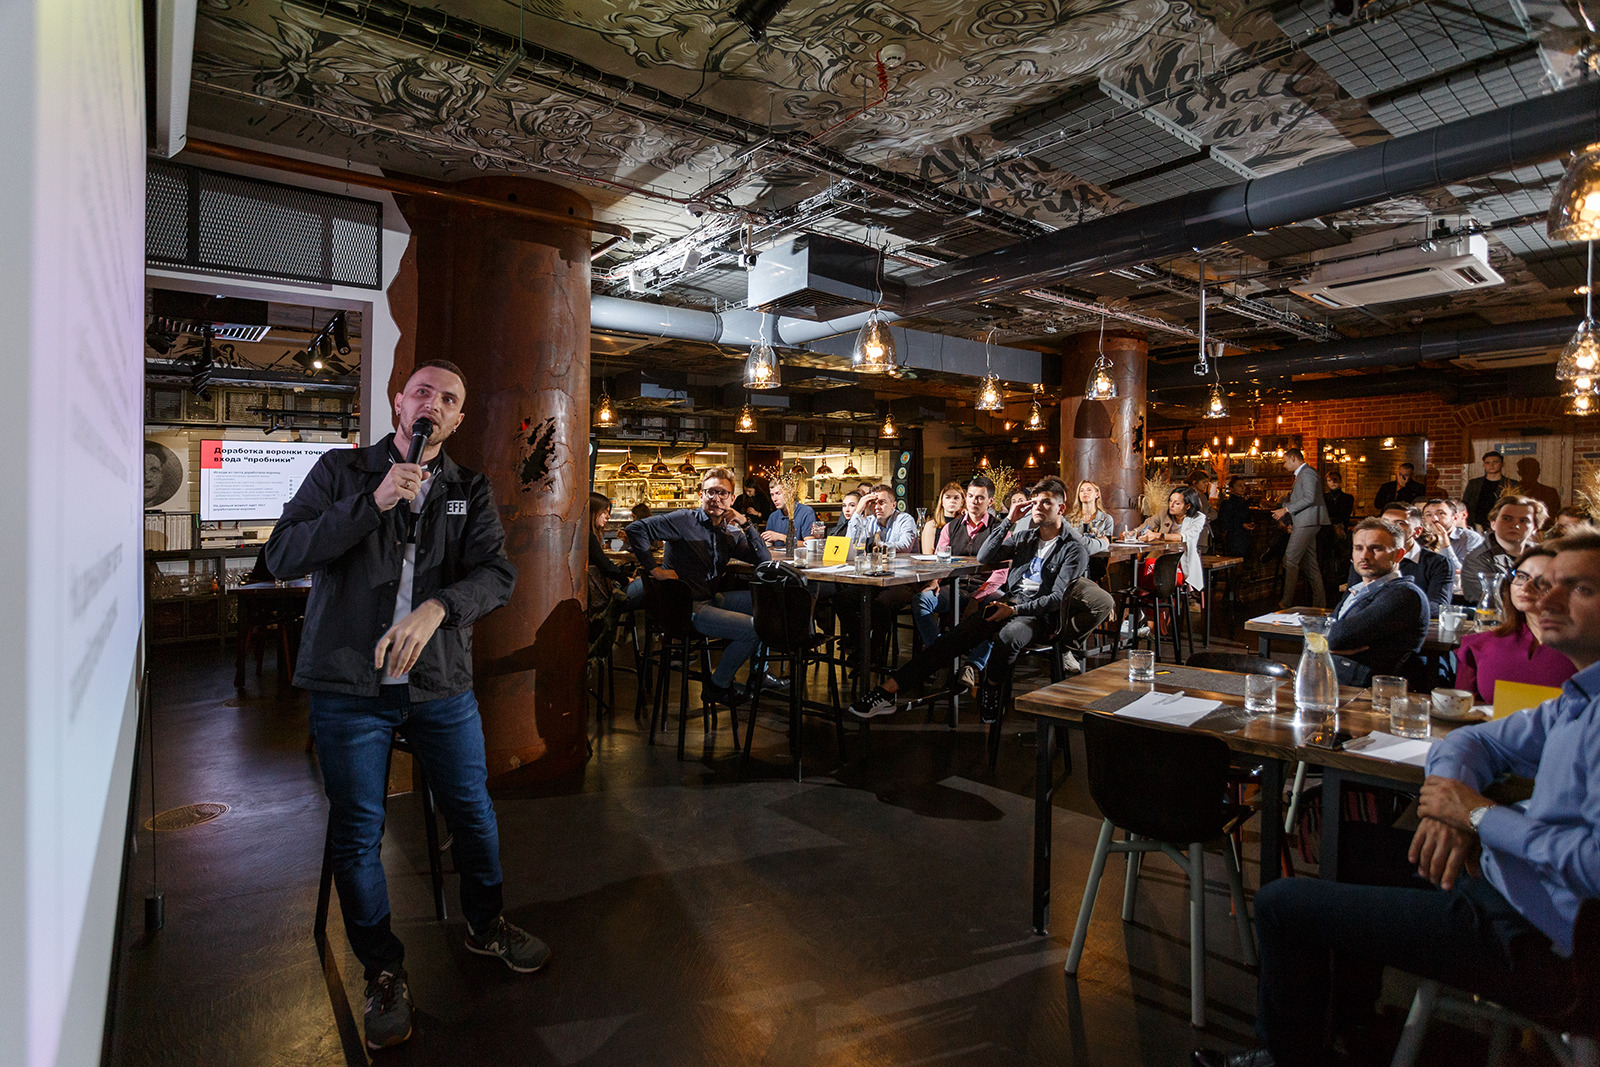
<point x="1476" y="713"/>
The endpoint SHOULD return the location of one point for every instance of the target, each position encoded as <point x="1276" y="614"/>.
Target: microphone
<point x="421" y="430"/>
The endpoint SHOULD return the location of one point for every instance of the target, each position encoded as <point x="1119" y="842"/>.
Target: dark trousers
<point x="1009" y="639"/>
<point x="353" y="737"/>
<point x="1088" y="606"/>
<point x="1319" y="937"/>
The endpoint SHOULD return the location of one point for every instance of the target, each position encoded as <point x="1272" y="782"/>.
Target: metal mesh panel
<point x="201" y="218"/>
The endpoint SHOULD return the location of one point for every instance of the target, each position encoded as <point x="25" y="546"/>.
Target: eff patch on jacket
<point x="455" y="507"/>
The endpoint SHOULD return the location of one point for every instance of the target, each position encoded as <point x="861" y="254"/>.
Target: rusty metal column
<point x="507" y="300"/>
<point x="1103" y="440"/>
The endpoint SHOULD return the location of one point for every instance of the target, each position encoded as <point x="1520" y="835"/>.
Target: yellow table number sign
<point x="836" y="550"/>
<point x="1510" y="697"/>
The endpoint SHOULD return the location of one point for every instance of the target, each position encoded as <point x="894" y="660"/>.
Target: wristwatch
<point x="1475" y="816"/>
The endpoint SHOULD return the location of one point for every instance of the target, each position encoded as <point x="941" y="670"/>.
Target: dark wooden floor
<point x="875" y="914"/>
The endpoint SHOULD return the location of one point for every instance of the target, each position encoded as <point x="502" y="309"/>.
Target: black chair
<point x="1121" y="582"/>
<point x="1165" y="790"/>
<point x="784" y="609"/>
<point x="669" y="616"/>
<point x="430" y="822"/>
<point x="1241" y="663"/>
<point x="1054" y="650"/>
<point x="1166" y="593"/>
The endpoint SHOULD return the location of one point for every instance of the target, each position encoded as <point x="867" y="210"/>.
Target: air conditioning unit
<point x="814" y="276"/>
<point x="1435" y="267"/>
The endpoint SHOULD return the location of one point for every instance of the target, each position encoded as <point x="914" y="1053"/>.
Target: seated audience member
<point x="879" y="522"/>
<point x="1045" y="561"/>
<point x="1452" y="539"/>
<point x="599" y="516"/>
<point x="963" y="536"/>
<point x="1019" y="493"/>
<point x="1340" y="504"/>
<point x="1513" y="649"/>
<point x="1233" y="523"/>
<point x="699" y="542"/>
<point x="1513" y="522"/>
<point x="952" y="499"/>
<point x="1510" y="878"/>
<point x="1384" y="615"/>
<point x="847" y="511"/>
<point x="1566" y="520"/>
<point x="779" y="523"/>
<point x="1184" y="522"/>
<point x="1429" y="569"/>
<point x="1405" y="489"/>
<point x="1090" y="516"/>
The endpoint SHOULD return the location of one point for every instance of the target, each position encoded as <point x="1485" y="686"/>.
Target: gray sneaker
<point x="1069" y="662"/>
<point x="969" y="678"/>
<point x="387" y="1019"/>
<point x="520" y="950"/>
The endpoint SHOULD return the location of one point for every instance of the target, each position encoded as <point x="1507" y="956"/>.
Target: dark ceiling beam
<point x="1516" y="136"/>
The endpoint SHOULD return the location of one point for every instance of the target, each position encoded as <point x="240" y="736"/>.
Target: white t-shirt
<point x="408" y="570"/>
<point x="1031" y="575"/>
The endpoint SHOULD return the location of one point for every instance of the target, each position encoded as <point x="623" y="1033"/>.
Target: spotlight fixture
<point x="1101" y="386"/>
<point x="888" y="431"/>
<point x="310" y="363"/>
<point x="629" y="468"/>
<point x="1217" y="406"/>
<point x="874" y="351"/>
<point x="746" y="422"/>
<point x="1575" y="205"/>
<point x="341" y="334"/>
<point x="754" y="15"/>
<point x="761" y="367"/>
<point x="324" y="349"/>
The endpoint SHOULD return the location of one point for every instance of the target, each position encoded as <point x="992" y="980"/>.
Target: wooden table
<point x="1121" y="550"/>
<point x="1277" y="740"/>
<point x="1267" y="632"/>
<point x="261" y="603"/>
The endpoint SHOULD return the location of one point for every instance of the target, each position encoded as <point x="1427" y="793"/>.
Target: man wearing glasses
<point x="1510" y="878"/>
<point x="699" y="542"/>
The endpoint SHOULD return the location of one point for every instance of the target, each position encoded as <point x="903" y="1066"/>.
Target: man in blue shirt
<point x="1510" y="878"/>
<point x="879" y="520"/>
<point x="778" y="523"/>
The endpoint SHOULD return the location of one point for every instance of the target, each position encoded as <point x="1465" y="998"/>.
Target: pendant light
<point x="888" y="431"/>
<point x="1581" y="403"/>
<point x="1031" y="462"/>
<point x="990" y="398"/>
<point x="746" y="423"/>
<point x="761" y="368"/>
<point x="1035" y="413"/>
<point x="1575" y="205"/>
<point x="629" y="468"/>
<point x="823" y="470"/>
<point x="659" y="468"/>
<point x="798" y="468"/>
<point x="874" y="351"/>
<point x="850" y="468"/>
<point x="1101" y="386"/>
<point x="687" y="466"/>
<point x="1217" y="406"/>
<point x="604" y="413"/>
<point x="1581" y="357"/>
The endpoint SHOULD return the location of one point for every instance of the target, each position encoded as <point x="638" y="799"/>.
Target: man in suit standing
<point x="1304" y="505"/>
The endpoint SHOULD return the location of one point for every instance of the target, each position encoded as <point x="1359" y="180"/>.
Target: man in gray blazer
<point x="1308" y="513"/>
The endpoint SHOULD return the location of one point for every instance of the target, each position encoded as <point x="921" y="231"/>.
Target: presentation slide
<point x="253" y="479"/>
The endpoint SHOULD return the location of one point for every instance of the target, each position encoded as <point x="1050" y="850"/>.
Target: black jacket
<point x="1480" y="496"/>
<point x="1066" y="563"/>
<point x="333" y="530"/>
<point x="1385" y="624"/>
<point x="1431" y="574"/>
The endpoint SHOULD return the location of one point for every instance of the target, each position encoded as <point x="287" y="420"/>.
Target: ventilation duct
<point x="816" y="277"/>
<point x="1502" y="140"/>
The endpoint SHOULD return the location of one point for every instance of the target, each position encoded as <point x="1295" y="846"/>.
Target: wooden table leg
<point x="1043" y="809"/>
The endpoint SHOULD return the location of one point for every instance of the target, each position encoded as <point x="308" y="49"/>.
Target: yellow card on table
<point x="836" y="550"/>
<point x="1512" y="696"/>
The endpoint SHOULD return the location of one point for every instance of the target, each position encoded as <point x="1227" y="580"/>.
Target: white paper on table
<point x="1163" y="707"/>
<point x="918" y="555"/>
<point x="835" y="568"/>
<point x="1386" y="746"/>
<point x="1279" y="618"/>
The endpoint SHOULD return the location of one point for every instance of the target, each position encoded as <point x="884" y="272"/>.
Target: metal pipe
<point x="402" y="184"/>
<point x="1502" y="140"/>
<point x="728" y="327"/>
<point x="1361" y="352"/>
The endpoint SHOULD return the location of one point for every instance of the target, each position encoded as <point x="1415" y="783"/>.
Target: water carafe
<point x="1316" y="686"/>
<point x="1488" y="610"/>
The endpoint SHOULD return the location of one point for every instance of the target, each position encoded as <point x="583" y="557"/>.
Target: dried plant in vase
<point x="1586" y="493"/>
<point x="1157" y="491"/>
<point x="794" y="488"/>
<point x="1005" y="483"/>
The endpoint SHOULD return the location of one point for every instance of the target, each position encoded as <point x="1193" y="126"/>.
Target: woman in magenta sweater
<point x="1512" y="650"/>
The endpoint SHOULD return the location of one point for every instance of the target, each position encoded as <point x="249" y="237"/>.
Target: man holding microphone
<point x="406" y="551"/>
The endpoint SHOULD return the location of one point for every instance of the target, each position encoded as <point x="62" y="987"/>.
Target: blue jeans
<point x="353" y="735"/>
<point x="1469" y="937"/>
<point x="729" y="616"/>
<point x="926" y="609"/>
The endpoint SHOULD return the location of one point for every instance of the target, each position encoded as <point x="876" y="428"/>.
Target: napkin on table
<point x="1163" y="707"/>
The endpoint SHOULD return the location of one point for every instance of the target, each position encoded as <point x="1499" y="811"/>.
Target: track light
<point x="341" y="334"/>
<point x="756" y="14"/>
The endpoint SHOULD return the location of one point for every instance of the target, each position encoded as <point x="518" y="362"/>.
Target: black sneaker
<point x="712" y="693"/>
<point x="989" y="704"/>
<point x="878" y="702"/>
<point x="387" y="1019"/>
<point x="520" y="950"/>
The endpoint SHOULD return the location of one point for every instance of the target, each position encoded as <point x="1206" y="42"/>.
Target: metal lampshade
<point x="659" y="468"/>
<point x="629" y="468"/>
<point x="687" y="466"/>
<point x="1575" y="205"/>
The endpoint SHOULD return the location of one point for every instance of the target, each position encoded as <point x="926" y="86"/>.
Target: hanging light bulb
<point x="1581" y="357"/>
<point x="1217" y="406"/>
<point x="746" y="423"/>
<point x="888" y="431"/>
<point x="1217" y="441"/>
<point x="989" y="396"/>
<point x="1031" y="462"/>
<point x="874" y="351"/>
<point x="761" y="367"/>
<point x="604" y="413"/>
<point x="629" y="468"/>
<point x="984" y="462"/>
<point x="1583" y="385"/>
<point x="1035" y="417"/>
<point x="1101" y="386"/>
<point x="1205" y="451"/>
<point x="1255" y="448"/>
<point x="1575" y="205"/>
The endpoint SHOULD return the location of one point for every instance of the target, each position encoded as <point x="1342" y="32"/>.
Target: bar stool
<point x="784" y="609"/>
<point x="669" y="614"/>
<point x="397" y="743"/>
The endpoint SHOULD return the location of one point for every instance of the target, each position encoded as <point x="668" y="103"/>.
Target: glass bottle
<point x="1489" y="604"/>
<point x="1316" y="685"/>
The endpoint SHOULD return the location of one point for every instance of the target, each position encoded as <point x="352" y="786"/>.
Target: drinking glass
<point x="817" y="529"/>
<point x="1141" y="665"/>
<point x="1408" y="716"/>
<point x="1386" y="688"/>
<point x="1260" y="693"/>
<point x="942" y="552"/>
<point x="922" y="517"/>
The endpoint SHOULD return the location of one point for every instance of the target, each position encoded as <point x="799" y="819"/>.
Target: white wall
<point x="380" y="333"/>
<point x="71" y="287"/>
